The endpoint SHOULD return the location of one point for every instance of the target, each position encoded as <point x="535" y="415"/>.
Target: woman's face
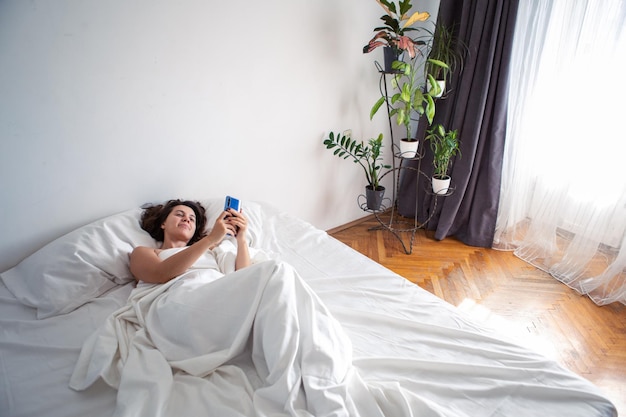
<point x="180" y="224"/>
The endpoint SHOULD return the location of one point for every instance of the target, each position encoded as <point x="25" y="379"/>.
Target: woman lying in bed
<point x="193" y="338"/>
<point x="180" y="224"/>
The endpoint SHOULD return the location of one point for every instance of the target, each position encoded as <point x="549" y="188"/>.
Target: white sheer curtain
<point x="563" y="197"/>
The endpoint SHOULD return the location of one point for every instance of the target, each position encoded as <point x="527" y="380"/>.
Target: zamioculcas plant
<point x="369" y="156"/>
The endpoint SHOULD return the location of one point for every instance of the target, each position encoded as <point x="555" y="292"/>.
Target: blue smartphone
<point x="231" y="203"/>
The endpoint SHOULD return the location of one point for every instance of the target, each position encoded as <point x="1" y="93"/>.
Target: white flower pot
<point x="408" y="149"/>
<point x="441" y="185"/>
<point x="442" y="85"/>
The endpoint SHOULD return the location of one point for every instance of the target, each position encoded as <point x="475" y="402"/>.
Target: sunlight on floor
<point x="519" y="330"/>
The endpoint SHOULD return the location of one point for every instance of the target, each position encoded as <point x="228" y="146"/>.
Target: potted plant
<point x="369" y="157"/>
<point x="446" y="49"/>
<point x="410" y="97"/>
<point x="392" y="36"/>
<point x="445" y="145"/>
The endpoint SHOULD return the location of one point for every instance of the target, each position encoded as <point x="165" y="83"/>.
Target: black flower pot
<point x="374" y="197"/>
<point x="390" y="55"/>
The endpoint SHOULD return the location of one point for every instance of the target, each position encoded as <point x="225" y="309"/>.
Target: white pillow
<point x="79" y="266"/>
<point x="87" y="262"/>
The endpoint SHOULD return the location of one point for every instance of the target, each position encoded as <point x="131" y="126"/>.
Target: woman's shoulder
<point x="143" y="252"/>
<point x="144" y="249"/>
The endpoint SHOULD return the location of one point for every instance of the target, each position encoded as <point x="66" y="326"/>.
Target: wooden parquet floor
<point x="504" y="292"/>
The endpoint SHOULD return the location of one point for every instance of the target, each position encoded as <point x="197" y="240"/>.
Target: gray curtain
<point x="476" y="105"/>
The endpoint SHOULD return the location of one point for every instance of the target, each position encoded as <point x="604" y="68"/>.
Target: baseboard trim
<point x="352" y="223"/>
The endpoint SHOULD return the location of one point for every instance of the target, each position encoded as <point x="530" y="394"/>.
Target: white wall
<point x="105" y="105"/>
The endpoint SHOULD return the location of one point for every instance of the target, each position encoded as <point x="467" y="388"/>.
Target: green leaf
<point x="418" y="99"/>
<point x="401" y="116"/>
<point x="376" y="106"/>
<point x="438" y="63"/>
<point x="405" y="6"/>
<point x="394" y="81"/>
<point x="406" y="93"/>
<point x="430" y="109"/>
<point x="399" y="65"/>
<point x="434" y="84"/>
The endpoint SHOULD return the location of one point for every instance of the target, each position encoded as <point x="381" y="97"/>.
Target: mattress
<point x="441" y="362"/>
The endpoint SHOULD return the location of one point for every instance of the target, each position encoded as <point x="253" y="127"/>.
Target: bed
<point x="415" y="355"/>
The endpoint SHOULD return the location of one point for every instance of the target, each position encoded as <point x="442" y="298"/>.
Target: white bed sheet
<point x="401" y="335"/>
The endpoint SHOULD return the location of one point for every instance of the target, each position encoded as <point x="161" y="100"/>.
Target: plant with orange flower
<point x="398" y="22"/>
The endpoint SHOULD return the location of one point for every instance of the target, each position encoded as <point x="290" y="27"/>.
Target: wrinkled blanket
<point x="254" y="342"/>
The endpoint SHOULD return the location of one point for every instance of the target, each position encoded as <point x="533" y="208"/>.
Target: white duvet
<point x="260" y="342"/>
<point x="254" y="342"/>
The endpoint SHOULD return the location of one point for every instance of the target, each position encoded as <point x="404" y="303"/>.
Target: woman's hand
<point x="239" y="224"/>
<point x="223" y="226"/>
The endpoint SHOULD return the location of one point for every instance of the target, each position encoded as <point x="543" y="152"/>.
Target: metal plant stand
<point x="388" y="215"/>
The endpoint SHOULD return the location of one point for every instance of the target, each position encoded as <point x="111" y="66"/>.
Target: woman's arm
<point x="145" y="264"/>
<point x="240" y="222"/>
<point x="243" y="255"/>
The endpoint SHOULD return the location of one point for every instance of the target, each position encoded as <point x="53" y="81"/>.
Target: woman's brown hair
<point x="154" y="216"/>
